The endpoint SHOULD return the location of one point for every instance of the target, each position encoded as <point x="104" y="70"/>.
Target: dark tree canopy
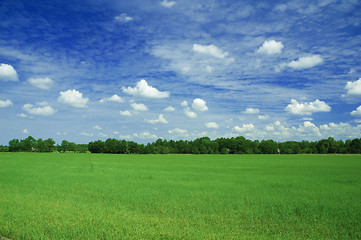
<point x="203" y="145"/>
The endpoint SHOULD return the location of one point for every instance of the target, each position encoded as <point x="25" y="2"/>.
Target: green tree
<point x="67" y="146"/>
<point x="14" y="145"/>
<point x="268" y="147"/>
<point x="96" y="147"/>
<point x="28" y="144"/>
<point x="40" y="145"/>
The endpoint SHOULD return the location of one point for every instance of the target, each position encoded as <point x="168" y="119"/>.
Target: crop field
<point x="90" y="196"/>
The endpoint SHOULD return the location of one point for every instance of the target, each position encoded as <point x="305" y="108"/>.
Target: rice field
<point x="100" y="196"/>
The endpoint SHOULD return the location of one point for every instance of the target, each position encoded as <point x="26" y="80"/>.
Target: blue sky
<point x="142" y="70"/>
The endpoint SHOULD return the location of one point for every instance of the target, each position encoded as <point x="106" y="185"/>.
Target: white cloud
<point x="42" y="83"/>
<point x="86" y="134"/>
<point x="5" y="104"/>
<point x="160" y="119"/>
<point x="340" y="130"/>
<point x="186" y="69"/>
<point x="126" y="113"/>
<point x="199" y="105"/>
<point x="114" y="98"/>
<point x="97" y="127"/>
<point x="211" y="125"/>
<point x="245" y="128"/>
<point x="252" y="111"/>
<point x="169" y="109"/>
<point x="26" y="131"/>
<point x="210" y="50"/>
<point x="209" y="69"/>
<point x="142" y="89"/>
<point x="184" y="103"/>
<point x="22" y="115"/>
<point x="43" y="109"/>
<point x="177" y="131"/>
<point x="125" y="136"/>
<point x="307" y="119"/>
<point x="73" y="98"/>
<point x="123" y="18"/>
<point x="306" y="62"/>
<point x="188" y="112"/>
<point x="145" y="135"/>
<point x="307" y="108"/>
<point x="167" y="4"/>
<point x="263" y="117"/>
<point x="309" y="128"/>
<point x="271" y="47"/>
<point x="139" y="107"/>
<point x="281" y="7"/>
<point x="103" y="135"/>
<point x="353" y="89"/>
<point x="8" y="73"/>
<point x="269" y="128"/>
<point x="357" y="112"/>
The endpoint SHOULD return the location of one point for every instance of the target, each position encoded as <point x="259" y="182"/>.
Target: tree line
<point x="204" y="145"/>
<point x="31" y="144"/>
<point x="237" y="145"/>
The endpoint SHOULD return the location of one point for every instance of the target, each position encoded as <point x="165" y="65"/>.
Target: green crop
<point x="91" y="196"/>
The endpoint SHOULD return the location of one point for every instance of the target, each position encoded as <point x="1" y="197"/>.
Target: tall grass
<point x="89" y="196"/>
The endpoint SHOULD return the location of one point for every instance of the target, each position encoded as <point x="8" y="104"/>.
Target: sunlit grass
<point x="90" y="196"/>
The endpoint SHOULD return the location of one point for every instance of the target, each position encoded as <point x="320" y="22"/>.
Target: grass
<point x="90" y="196"/>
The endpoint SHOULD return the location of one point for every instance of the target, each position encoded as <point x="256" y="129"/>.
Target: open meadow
<point x="100" y="196"/>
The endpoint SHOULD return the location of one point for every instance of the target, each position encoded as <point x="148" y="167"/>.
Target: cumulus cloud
<point x="211" y="125"/>
<point x="210" y="50"/>
<point x="86" y="134"/>
<point x="340" y="130"/>
<point x="184" y="103"/>
<point x="160" y="119"/>
<point x="209" y="69"/>
<point x="169" y="109"/>
<point x="353" y="89"/>
<point x="269" y="128"/>
<point x="42" y="83"/>
<point x="307" y="108"/>
<point x="8" y="73"/>
<point x="43" y="109"/>
<point x="5" y="104"/>
<point x="357" y="112"/>
<point x="167" y="4"/>
<point x="73" y="98"/>
<point x="126" y="113"/>
<point x="123" y="18"/>
<point x="188" y="112"/>
<point x="145" y="135"/>
<point x="245" y="128"/>
<point x="22" y="115"/>
<point x="252" y="111"/>
<point x="199" y="105"/>
<point x="103" y="135"/>
<point x="114" y="98"/>
<point x="271" y="47"/>
<point x="263" y="117"/>
<point x="306" y="62"/>
<point x="142" y="89"/>
<point x="177" y="131"/>
<point x="97" y="127"/>
<point x="139" y="107"/>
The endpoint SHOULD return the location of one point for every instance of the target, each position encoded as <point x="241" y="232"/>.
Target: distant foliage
<point x="238" y="145"/>
<point x="31" y="144"/>
<point x="204" y="145"/>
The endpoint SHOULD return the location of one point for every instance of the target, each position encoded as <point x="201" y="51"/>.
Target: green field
<point x="90" y="196"/>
